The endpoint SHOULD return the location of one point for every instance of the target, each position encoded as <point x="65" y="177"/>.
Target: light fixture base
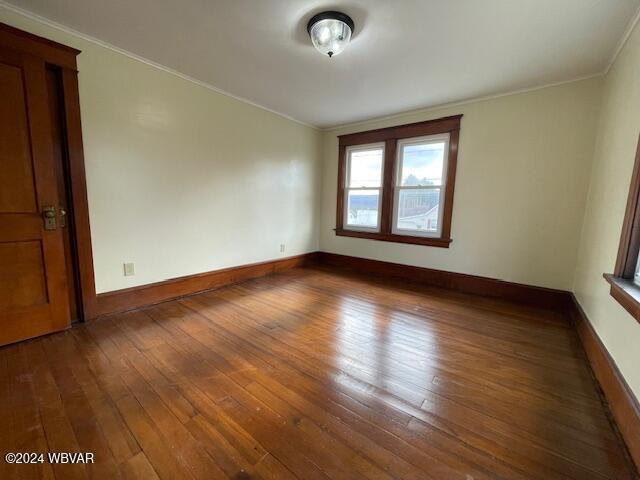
<point x="330" y="32"/>
<point x="331" y="15"/>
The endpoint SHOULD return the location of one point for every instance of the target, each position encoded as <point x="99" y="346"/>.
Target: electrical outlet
<point x="129" y="269"/>
<point x="282" y="248"/>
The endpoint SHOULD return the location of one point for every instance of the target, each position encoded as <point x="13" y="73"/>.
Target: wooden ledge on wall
<point x="395" y="238"/>
<point x="626" y="292"/>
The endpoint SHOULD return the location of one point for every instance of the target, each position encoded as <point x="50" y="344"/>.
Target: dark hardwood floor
<point x="312" y="374"/>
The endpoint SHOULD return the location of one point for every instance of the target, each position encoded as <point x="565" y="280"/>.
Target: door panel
<point x="33" y="289"/>
<point x="18" y="191"/>
<point x="23" y="282"/>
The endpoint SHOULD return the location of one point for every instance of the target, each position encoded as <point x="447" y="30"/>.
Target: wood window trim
<point x="390" y="136"/>
<point x="623" y="288"/>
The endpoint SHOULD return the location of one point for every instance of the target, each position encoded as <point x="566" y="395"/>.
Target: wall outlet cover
<point x="129" y="269"/>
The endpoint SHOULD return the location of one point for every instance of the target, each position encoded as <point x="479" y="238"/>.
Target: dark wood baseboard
<point x="460" y="282"/>
<point x="622" y="402"/>
<point x="143" y="295"/>
<point x="135" y="297"/>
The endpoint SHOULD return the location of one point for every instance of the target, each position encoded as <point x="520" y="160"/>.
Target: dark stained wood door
<point x="33" y="285"/>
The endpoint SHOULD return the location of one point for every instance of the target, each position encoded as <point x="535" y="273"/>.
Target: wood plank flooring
<point x="312" y="374"/>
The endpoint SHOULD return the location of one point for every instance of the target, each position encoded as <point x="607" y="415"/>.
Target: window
<point x="396" y="184"/>
<point x="420" y="178"/>
<point x="625" y="280"/>
<point x="364" y="187"/>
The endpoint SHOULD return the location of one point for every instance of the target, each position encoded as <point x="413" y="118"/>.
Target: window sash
<point x="345" y="214"/>
<point x="425" y="140"/>
<point x="361" y="148"/>
<point x="362" y="228"/>
<point x="412" y="231"/>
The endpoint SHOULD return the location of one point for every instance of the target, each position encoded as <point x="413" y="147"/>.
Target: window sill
<point x="384" y="237"/>
<point x="626" y="294"/>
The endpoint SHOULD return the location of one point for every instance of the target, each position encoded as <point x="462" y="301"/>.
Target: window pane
<point x="362" y="208"/>
<point x="366" y="168"/>
<point x="422" y="164"/>
<point x="418" y="210"/>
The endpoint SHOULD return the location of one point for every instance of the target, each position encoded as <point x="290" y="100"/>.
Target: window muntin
<point x="420" y="184"/>
<point x="363" y="189"/>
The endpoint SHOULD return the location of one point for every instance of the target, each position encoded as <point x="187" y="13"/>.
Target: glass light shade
<point x="330" y="36"/>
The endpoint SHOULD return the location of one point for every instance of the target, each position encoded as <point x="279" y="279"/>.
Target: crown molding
<point x="623" y="41"/>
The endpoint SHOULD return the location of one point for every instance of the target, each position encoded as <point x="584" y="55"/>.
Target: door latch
<point x="49" y="216"/>
<point x="63" y="216"/>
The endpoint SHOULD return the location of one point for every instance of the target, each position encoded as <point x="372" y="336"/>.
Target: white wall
<point x="613" y="162"/>
<point x="523" y="171"/>
<point x="182" y="179"/>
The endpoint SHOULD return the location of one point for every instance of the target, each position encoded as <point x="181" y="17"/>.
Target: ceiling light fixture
<point x="330" y="32"/>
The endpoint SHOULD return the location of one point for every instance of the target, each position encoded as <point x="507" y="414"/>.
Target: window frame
<point x="624" y="289"/>
<point x="347" y="188"/>
<point x="391" y="137"/>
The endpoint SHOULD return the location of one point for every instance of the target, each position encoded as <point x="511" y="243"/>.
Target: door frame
<point x="64" y="58"/>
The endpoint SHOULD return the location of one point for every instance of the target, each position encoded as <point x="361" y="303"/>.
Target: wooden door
<point x="33" y="285"/>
